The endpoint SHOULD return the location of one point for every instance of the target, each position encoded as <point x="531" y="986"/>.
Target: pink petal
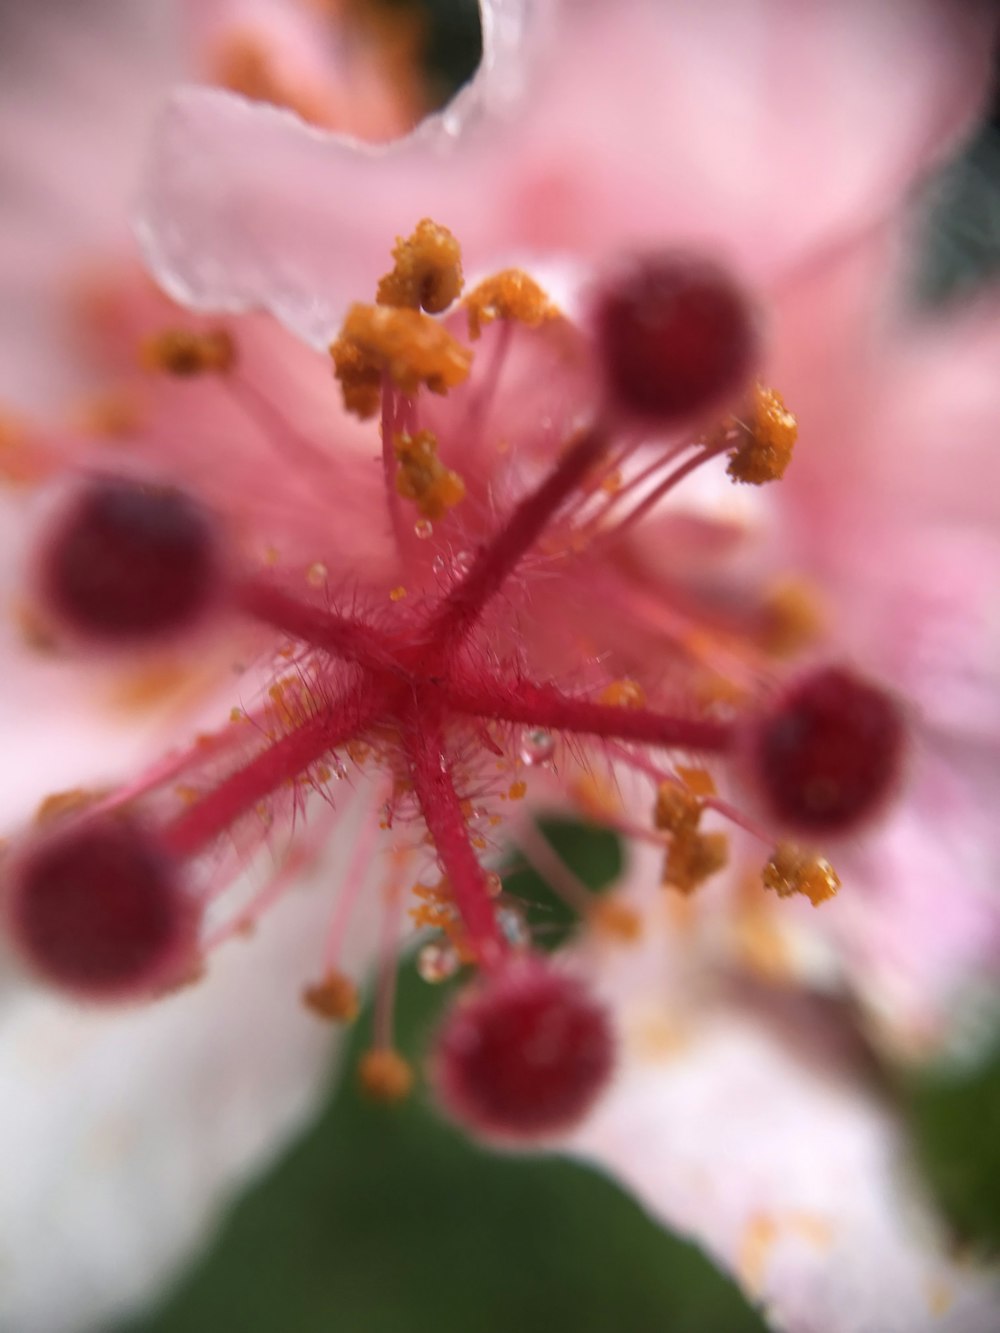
<point x="749" y="1125"/>
<point x="642" y="123"/>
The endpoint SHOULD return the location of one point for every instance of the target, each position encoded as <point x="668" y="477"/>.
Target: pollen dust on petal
<point x="188" y="352"/>
<point x="766" y="441"/>
<point x="428" y="270"/>
<point x="763" y="1231"/>
<point x="61" y="803"/>
<point x="655" y="1036"/>
<point x="510" y="294"/>
<point x="940" y="1296"/>
<point x="410" y="347"/>
<point x="791" y="618"/>
<point x="113" y="416"/>
<point x="615" y="920"/>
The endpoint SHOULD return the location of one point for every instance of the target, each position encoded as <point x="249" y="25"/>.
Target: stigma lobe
<point x="98" y="909"/>
<point x="524" y="1055"/>
<point x="129" y="561"/>
<point x="830" y="751"/>
<point x="675" y="336"/>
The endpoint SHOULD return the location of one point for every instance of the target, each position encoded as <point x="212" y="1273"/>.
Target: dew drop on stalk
<point x="537" y="746"/>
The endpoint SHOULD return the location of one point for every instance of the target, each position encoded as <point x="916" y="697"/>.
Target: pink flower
<point x="513" y="594"/>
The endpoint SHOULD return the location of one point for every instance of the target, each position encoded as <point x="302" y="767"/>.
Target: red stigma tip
<point x="524" y="1055"/>
<point x="129" y="561"/>
<point x="830" y="751"/>
<point x="96" y="908"/>
<point x="675" y="336"/>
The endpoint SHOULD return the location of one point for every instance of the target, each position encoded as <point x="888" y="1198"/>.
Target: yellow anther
<point x="677" y="809"/>
<point x="792" y="870"/>
<point x="428" y="271"/>
<point x="187" y="352"/>
<point x="767" y="440"/>
<point x="624" y="694"/>
<point x="62" y="803"/>
<point x="397" y="594"/>
<point x="410" y="347"/>
<point x="791" y="619"/>
<point x="335" y="998"/>
<point x="615" y="920"/>
<point x="385" y="1076"/>
<point x="693" y="858"/>
<point x="517" y="790"/>
<point x="423" y="478"/>
<point x="697" y="780"/>
<point x="510" y="294"/>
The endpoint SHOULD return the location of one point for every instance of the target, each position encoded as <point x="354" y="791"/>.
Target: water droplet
<point x="436" y="962"/>
<point x="514" y="927"/>
<point x="339" y="769"/>
<point x="316" y="574"/>
<point x="462" y="563"/>
<point x="537" y="746"/>
<point x="439" y="564"/>
<point x="423" y="528"/>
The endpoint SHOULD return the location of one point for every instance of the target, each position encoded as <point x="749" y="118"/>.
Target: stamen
<point x="428" y="270"/>
<point x="510" y="295"/>
<point x="765" y="449"/>
<point x="791" y="870"/>
<point x="423" y="478"/>
<point x="413" y="349"/>
<point x="335" y="998"/>
<point x="129" y="562"/>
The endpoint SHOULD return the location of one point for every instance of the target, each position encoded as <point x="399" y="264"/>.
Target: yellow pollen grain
<point x="410" y="347"/>
<point x="693" y="858"/>
<point x="792" y="871"/>
<point x="397" y="594"/>
<point x="517" y="790"/>
<point x="316" y="574"/>
<point x="755" y="1250"/>
<point x="188" y="352"/>
<point x="385" y="1076"/>
<point x="427" y="273"/>
<point x="423" y="478"/>
<point x="335" y="998"/>
<point x="768" y="440"/>
<point x="510" y="294"/>
<point x="623" y="694"/>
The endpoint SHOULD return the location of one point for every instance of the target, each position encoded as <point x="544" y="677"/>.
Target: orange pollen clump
<point x="624" y="694"/>
<point x="407" y="345"/>
<point x="334" y="998"/>
<point x="423" y="478"/>
<point x="791" y="870"/>
<point x="437" y="909"/>
<point x="385" y="1076"/>
<point x="693" y="858"/>
<point x="677" y="809"/>
<point x="765" y="450"/>
<point x="510" y="294"/>
<point x="186" y="352"/>
<point x="114" y="415"/>
<point x="427" y="273"/>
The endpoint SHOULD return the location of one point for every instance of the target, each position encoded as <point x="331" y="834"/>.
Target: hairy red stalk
<point x="346" y="638"/>
<point x="495" y="562"/>
<point x="442" y="812"/>
<point x="546" y="707"/>
<point x="281" y="762"/>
